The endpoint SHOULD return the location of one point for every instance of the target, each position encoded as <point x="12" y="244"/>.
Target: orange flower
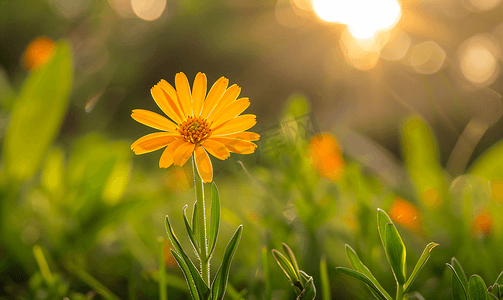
<point x="326" y="157"/>
<point x="38" y="52"/>
<point x="482" y="224"/>
<point x="406" y="214"/>
<point x="196" y="126"/>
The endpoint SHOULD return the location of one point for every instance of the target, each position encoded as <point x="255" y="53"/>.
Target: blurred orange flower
<point x="196" y="126"/>
<point x="38" y="52"/>
<point x="326" y="157"/>
<point x="406" y="214"/>
<point x="482" y="225"/>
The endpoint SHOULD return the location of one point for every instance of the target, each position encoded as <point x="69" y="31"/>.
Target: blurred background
<point x="408" y="93"/>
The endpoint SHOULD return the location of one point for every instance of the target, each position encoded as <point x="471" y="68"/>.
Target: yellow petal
<point x="203" y="163"/>
<point x="171" y="93"/>
<point x="153" y="120"/>
<point x="198" y="93"/>
<point x="235" y="125"/>
<point x="166" y="104"/>
<point x="214" y="96"/>
<point x="245" y="135"/>
<point x="168" y="154"/>
<point x="229" y="96"/>
<point x="183" y="153"/>
<point x="236" y="146"/>
<point x="183" y="91"/>
<point x="231" y="111"/>
<point x="216" y="149"/>
<point x="152" y="142"/>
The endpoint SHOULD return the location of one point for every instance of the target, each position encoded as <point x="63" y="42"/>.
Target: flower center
<point x="195" y="130"/>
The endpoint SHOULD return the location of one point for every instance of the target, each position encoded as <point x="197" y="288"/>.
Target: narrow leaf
<point x="499" y="280"/>
<point x="309" y="292"/>
<point x="267" y="276"/>
<point x="192" y="239"/>
<point x="202" y="288"/>
<point x="37" y="114"/>
<point x="477" y="288"/>
<point x="214" y="219"/>
<point x="395" y="252"/>
<point x="286" y="266"/>
<point x="382" y="220"/>
<point x="419" y="265"/>
<point x="325" y="280"/>
<point x="357" y="264"/>
<point x="292" y="259"/>
<point x="459" y="291"/>
<point x="195" y="223"/>
<point x="220" y="282"/>
<point x="376" y="292"/>
<point x="186" y="273"/>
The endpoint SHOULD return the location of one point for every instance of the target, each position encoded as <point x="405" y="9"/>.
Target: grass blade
<point x="357" y="264"/>
<point x="214" y="219"/>
<point x="267" y="276"/>
<point x="325" y="281"/>
<point x="220" y="282"/>
<point x="419" y="265"/>
<point x="376" y="292"/>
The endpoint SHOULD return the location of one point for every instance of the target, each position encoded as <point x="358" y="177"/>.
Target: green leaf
<point x="477" y="288"/>
<point x="493" y="296"/>
<point x="382" y="220"/>
<point x="460" y="272"/>
<point x="376" y="292"/>
<point x="309" y="292"/>
<point x="325" y="280"/>
<point x="195" y="222"/>
<point x="37" y="114"/>
<point x="202" y="288"/>
<point x="292" y="260"/>
<point x="287" y="267"/>
<point x="186" y="273"/>
<point x="214" y="219"/>
<point x="459" y="290"/>
<point x="193" y="241"/>
<point x="220" y="282"/>
<point x="357" y="264"/>
<point x="395" y="252"/>
<point x="419" y="265"/>
<point x="421" y="157"/>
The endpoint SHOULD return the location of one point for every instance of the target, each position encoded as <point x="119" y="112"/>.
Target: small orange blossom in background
<point x="38" y="52"/>
<point x="326" y="157"/>
<point x="195" y="125"/>
<point x="482" y="225"/>
<point x="406" y="214"/>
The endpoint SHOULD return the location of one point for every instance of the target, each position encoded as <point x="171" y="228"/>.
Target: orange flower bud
<point x="38" y="52"/>
<point x="406" y="214"/>
<point x="326" y="157"/>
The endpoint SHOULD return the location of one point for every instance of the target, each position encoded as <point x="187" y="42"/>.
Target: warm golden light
<point x="148" y="10"/>
<point x="363" y="17"/>
<point x="363" y="54"/>
<point x="478" y="60"/>
<point x="397" y="46"/>
<point x="483" y="5"/>
<point x="427" y="57"/>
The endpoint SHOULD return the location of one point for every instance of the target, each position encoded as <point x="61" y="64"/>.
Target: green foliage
<point x="475" y="288"/>
<point x="37" y="114"/>
<point x="395" y="254"/>
<point x="302" y="283"/>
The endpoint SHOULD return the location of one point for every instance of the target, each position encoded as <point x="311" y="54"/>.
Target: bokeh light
<point x="427" y="57"/>
<point x="478" y="59"/>
<point x="397" y="46"/>
<point x="326" y="157"/>
<point x="406" y="214"/>
<point x="363" y="17"/>
<point x="38" y="52"/>
<point x="363" y="54"/>
<point x="148" y="10"/>
<point x="481" y="5"/>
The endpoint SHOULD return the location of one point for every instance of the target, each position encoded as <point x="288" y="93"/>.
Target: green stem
<point x="162" y="270"/>
<point x="399" y="292"/>
<point x="42" y="264"/>
<point x="201" y="215"/>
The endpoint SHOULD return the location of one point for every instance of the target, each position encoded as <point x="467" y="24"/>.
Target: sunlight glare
<point x="478" y="58"/>
<point x="363" y="17"/>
